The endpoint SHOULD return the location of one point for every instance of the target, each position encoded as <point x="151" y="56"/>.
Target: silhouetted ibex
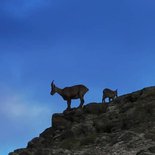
<point x="108" y="93"/>
<point x="69" y="93"/>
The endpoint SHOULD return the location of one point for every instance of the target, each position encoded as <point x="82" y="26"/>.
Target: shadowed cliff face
<point x="126" y="126"/>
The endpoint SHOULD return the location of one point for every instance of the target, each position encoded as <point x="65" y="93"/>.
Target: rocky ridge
<point x="126" y="126"/>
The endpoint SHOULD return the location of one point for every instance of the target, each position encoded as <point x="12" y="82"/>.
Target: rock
<point x="152" y="149"/>
<point x="59" y="121"/>
<point x="95" y="108"/>
<point x="125" y="126"/>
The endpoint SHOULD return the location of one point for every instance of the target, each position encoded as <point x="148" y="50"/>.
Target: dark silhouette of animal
<point x="69" y="93"/>
<point x="108" y="93"/>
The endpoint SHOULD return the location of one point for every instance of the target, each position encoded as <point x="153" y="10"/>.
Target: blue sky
<point x="97" y="43"/>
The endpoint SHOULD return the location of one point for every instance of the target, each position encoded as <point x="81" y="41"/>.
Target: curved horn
<point x="52" y="84"/>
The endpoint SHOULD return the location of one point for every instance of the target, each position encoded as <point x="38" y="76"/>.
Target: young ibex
<point x="108" y="93"/>
<point x="69" y="93"/>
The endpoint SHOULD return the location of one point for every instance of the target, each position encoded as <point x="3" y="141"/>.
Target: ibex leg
<point x="103" y="99"/>
<point x="68" y="104"/>
<point x="81" y="103"/>
<point x="109" y="99"/>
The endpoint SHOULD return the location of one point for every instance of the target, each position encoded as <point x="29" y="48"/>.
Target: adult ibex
<point x="69" y="93"/>
<point x="108" y="93"/>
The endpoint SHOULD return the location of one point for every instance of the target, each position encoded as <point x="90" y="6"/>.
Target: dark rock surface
<point x="126" y="126"/>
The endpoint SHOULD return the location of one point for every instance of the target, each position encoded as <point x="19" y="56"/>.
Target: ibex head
<point x="52" y="88"/>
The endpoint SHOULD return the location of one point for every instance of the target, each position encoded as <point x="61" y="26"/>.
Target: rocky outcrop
<point x="126" y="126"/>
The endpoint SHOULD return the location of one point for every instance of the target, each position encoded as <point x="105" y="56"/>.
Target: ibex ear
<point x="116" y="91"/>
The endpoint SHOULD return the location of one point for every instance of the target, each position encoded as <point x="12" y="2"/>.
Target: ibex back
<point x="69" y="93"/>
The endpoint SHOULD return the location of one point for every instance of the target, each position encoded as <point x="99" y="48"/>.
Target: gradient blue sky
<point x="94" y="42"/>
